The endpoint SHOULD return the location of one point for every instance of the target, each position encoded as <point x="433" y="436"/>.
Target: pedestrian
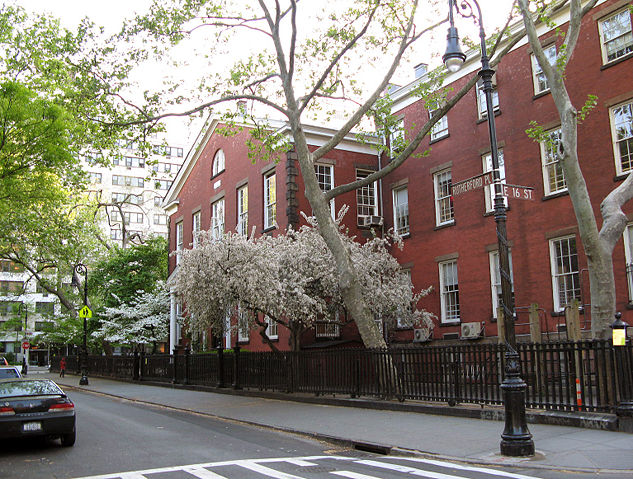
<point x="62" y="367"/>
<point x="24" y="366"/>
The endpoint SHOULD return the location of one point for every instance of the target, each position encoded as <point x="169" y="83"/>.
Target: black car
<point x="36" y="407"/>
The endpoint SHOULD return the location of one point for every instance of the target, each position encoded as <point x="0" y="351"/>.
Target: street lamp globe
<point x="454" y="58"/>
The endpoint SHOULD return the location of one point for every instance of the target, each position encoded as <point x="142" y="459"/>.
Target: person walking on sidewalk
<point x="24" y="367"/>
<point x="62" y="367"/>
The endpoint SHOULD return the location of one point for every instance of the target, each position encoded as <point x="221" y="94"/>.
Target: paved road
<point x="121" y="439"/>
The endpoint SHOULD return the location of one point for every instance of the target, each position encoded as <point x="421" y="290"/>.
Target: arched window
<point x="218" y="163"/>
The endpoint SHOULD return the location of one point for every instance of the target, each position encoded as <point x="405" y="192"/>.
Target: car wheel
<point x="68" y="440"/>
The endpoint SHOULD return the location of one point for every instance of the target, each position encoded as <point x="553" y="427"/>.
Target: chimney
<point x="420" y="70"/>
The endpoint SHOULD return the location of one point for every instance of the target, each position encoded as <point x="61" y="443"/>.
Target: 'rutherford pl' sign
<point x="487" y="179"/>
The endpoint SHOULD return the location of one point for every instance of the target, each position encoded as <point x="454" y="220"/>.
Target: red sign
<point x="26" y="345"/>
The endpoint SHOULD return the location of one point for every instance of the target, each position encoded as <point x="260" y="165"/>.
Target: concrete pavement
<point x="448" y="437"/>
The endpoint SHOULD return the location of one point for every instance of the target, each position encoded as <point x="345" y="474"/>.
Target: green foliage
<point x="125" y="272"/>
<point x="590" y="104"/>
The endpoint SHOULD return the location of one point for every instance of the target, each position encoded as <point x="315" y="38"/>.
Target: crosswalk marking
<point x="461" y="467"/>
<point x="353" y="475"/>
<point x="408" y="470"/>
<point x="202" y="473"/>
<point x="395" y="464"/>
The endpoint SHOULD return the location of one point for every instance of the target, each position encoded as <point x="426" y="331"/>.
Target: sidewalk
<point x="456" y="438"/>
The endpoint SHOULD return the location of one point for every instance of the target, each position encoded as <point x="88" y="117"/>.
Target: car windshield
<point x="28" y="388"/>
<point x="8" y="373"/>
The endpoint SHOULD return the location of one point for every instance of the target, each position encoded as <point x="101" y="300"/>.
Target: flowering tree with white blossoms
<point x="291" y="279"/>
<point x="142" y="320"/>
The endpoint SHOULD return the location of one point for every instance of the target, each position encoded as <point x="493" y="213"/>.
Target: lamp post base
<point x="516" y="440"/>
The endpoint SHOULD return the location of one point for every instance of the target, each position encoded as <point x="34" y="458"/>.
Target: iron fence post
<point x="220" y="382"/>
<point x="141" y="369"/>
<point x="187" y="356"/>
<point x="175" y="365"/>
<point x="236" y="365"/>
<point x="135" y="367"/>
<point x="622" y="354"/>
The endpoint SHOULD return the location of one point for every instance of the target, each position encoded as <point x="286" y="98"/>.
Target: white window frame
<point x="495" y="279"/>
<point x="242" y="210"/>
<point x="440" y="129"/>
<point x="328" y="329"/>
<point x="366" y="197"/>
<point x="180" y="240"/>
<point x="449" y="293"/>
<point x="489" y="190"/>
<point x="195" y="228"/>
<point x="482" y="108"/>
<point x="401" y="210"/>
<point x="325" y="178"/>
<point x="272" y="331"/>
<point x="559" y="274"/>
<point x="217" y="219"/>
<point x="270" y="200"/>
<point x="619" y="126"/>
<point x="624" y="14"/>
<point x="243" y="332"/>
<point x="219" y="163"/>
<point x="397" y="138"/>
<point x="628" y="255"/>
<point x="443" y="197"/>
<point x="551" y="165"/>
<point x="538" y="77"/>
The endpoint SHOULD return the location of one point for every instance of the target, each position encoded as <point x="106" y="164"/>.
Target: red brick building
<point x="450" y="241"/>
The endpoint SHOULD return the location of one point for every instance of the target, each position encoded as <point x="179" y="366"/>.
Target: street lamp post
<point x="25" y="352"/>
<point x="81" y="269"/>
<point x="516" y="439"/>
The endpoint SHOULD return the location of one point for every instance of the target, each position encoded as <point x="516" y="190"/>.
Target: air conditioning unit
<point x="472" y="330"/>
<point x="372" y="220"/>
<point x="421" y="335"/>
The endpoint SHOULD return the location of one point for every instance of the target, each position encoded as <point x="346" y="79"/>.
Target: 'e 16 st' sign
<point x="517" y="192"/>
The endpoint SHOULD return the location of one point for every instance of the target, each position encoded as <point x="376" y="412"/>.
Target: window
<point x="397" y="141"/>
<point x="242" y="210"/>
<point x="401" y="210"/>
<point x="553" y="175"/>
<point x="540" y="82"/>
<point x="366" y="198"/>
<point x="495" y="280"/>
<point x="218" y="163"/>
<point x="622" y="134"/>
<point x="127" y="198"/>
<point x="127" y="181"/>
<point x="440" y="129"/>
<point x="270" y="201"/>
<point x="242" y="324"/>
<point x="271" y="330"/>
<point x="42" y="307"/>
<point x="180" y="241"/>
<point x="132" y="217"/>
<point x="449" y="290"/>
<point x="481" y="98"/>
<point x="195" y="227"/>
<point x="157" y="200"/>
<point x="330" y="328"/>
<point x="443" y="200"/>
<point x="160" y="219"/>
<point x="10" y="308"/>
<point x="116" y="234"/>
<point x="7" y="266"/>
<point x="325" y="177"/>
<point x="162" y="184"/>
<point x="402" y="322"/>
<point x="615" y="36"/>
<point x="489" y="191"/>
<point x="565" y="272"/>
<point x="11" y="287"/>
<point x="40" y="289"/>
<point x="217" y="219"/>
<point x="628" y="254"/>
<point x="95" y="177"/>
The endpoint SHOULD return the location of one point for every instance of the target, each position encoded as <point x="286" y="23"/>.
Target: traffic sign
<point x="517" y="192"/>
<point x="26" y="345"/>
<point x="85" y="312"/>
<point x="474" y="183"/>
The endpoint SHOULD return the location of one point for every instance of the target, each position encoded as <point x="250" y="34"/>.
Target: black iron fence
<point x="570" y="376"/>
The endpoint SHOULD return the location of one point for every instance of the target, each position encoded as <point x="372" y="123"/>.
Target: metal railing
<point x="568" y="376"/>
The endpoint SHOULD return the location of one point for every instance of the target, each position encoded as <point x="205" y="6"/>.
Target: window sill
<point x="616" y="61"/>
<point x="555" y="195"/>
<point x="216" y="175"/>
<point x="561" y="314"/>
<point x="405" y="236"/>
<point x="435" y="140"/>
<point x="445" y="225"/>
<point x="622" y="177"/>
<point x="269" y="229"/>
<point x="541" y="94"/>
<point x="448" y="324"/>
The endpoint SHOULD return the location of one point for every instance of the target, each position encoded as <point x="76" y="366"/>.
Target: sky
<point x="111" y="13"/>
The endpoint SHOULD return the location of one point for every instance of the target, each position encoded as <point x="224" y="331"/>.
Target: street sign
<point x="474" y="183"/>
<point x="85" y="312"/>
<point x="26" y="345"/>
<point x="517" y="192"/>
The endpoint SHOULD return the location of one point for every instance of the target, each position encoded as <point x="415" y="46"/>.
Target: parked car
<point x="36" y="407"/>
<point x="9" y="372"/>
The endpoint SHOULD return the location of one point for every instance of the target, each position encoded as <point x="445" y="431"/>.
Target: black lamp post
<point x="81" y="269"/>
<point x="516" y="439"/>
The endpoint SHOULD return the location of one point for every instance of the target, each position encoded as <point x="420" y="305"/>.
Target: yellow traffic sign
<point x="85" y="312"/>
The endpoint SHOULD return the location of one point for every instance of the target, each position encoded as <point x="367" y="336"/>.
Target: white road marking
<point x="202" y="473"/>
<point x="267" y="471"/>
<point x="462" y="467"/>
<point x="408" y="470"/>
